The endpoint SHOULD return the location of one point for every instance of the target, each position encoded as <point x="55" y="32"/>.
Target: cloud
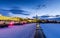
<point x="15" y="11"/>
<point x="3" y="12"/>
<point x="18" y="10"/>
<point x="40" y="6"/>
<point x="47" y="16"/>
<point x="16" y="15"/>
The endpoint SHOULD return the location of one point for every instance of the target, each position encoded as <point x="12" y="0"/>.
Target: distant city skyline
<point x="29" y="8"/>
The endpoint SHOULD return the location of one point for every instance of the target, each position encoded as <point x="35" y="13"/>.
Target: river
<point x="51" y="30"/>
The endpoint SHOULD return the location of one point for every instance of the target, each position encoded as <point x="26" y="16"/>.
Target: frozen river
<point x="51" y="30"/>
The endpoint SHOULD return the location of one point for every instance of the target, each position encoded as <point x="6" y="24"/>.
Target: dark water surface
<point x="51" y="30"/>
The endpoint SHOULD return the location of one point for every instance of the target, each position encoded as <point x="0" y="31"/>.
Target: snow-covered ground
<point x="22" y="31"/>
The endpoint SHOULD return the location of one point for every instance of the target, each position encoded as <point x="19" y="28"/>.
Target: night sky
<point x="29" y="8"/>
